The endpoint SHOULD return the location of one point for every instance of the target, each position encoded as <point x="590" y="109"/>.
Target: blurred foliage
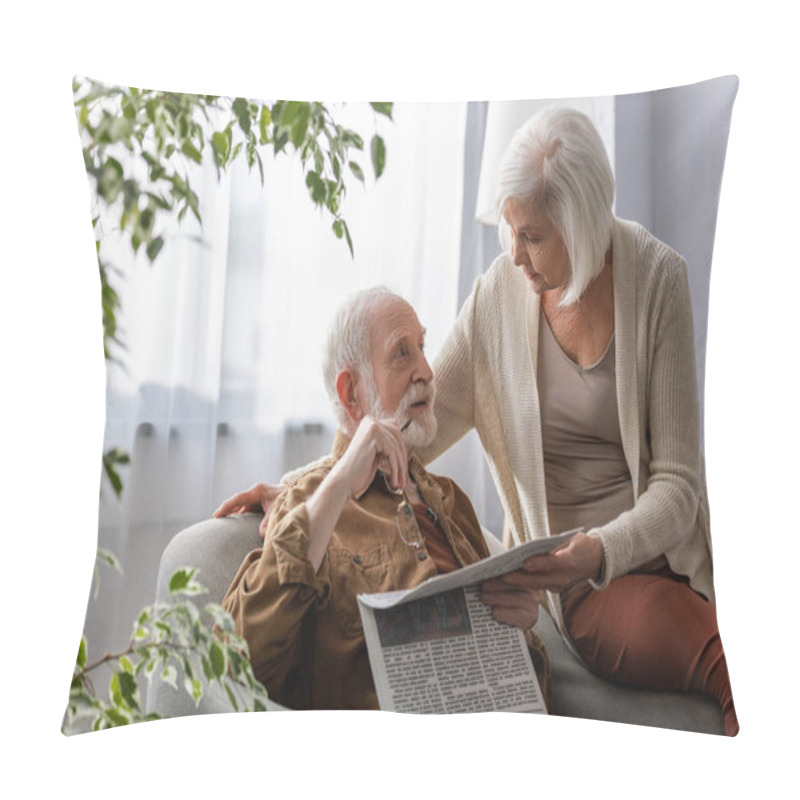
<point x="173" y="642"/>
<point x="139" y="147"/>
<point x="138" y="143"/>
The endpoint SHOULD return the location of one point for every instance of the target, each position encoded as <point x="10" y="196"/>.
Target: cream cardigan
<point x="486" y="379"/>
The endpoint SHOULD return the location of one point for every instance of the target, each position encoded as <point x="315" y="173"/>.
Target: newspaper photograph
<point x="436" y="649"/>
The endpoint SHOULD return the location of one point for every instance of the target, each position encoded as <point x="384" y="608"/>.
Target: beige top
<point x="586" y="477"/>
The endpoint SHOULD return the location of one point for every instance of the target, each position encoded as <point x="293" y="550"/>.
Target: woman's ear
<point x="347" y="388"/>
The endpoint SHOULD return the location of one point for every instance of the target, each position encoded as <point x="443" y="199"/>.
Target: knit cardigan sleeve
<point x="454" y="368"/>
<point x="670" y="467"/>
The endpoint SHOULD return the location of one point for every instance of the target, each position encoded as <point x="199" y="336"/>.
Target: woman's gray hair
<point x="348" y="343"/>
<point x="557" y="160"/>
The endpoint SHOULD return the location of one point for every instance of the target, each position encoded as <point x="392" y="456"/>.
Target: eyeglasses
<point x="405" y="511"/>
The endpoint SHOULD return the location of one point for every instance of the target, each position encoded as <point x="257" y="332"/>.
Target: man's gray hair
<point x="348" y="342"/>
<point x="557" y="160"/>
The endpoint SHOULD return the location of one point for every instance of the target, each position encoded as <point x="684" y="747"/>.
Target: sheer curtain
<point x="220" y="382"/>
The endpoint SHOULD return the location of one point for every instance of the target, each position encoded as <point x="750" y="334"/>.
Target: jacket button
<point x="357" y="559"/>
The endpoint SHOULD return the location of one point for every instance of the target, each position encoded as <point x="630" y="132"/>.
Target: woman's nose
<point x="518" y="254"/>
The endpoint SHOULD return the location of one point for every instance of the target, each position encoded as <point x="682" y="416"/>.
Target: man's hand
<point x="511" y="604"/>
<point x="257" y="498"/>
<point x="375" y="445"/>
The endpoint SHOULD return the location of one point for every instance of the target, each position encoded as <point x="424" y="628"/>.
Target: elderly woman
<point x="574" y="360"/>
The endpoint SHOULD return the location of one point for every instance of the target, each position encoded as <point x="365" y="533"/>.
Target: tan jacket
<point x="486" y="379"/>
<point x="303" y="628"/>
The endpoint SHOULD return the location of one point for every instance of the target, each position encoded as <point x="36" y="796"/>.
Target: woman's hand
<point x="257" y="498"/>
<point x="579" y="560"/>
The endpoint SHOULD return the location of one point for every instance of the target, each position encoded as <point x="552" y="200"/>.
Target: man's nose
<point x="423" y="371"/>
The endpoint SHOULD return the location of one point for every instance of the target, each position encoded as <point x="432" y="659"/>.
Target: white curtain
<point x="220" y="383"/>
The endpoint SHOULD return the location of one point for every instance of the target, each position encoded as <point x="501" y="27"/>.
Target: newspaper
<point x="436" y="649"/>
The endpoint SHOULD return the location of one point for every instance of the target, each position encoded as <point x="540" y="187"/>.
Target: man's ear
<point x="347" y="388"/>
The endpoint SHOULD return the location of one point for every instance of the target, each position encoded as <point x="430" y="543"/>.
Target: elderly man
<point x="368" y="518"/>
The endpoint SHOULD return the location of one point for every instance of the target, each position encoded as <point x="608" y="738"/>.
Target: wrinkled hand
<point x="258" y="498"/>
<point x="512" y="604"/>
<point x="578" y="560"/>
<point x="376" y="445"/>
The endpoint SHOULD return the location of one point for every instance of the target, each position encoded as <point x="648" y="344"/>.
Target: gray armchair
<point x="216" y="547"/>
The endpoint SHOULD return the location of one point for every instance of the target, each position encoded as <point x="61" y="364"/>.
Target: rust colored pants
<point x="653" y="631"/>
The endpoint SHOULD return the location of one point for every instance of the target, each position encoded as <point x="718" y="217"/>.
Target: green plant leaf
<point x="279" y="142"/>
<point x="383" y="108"/>
<point x="217" y="657"/>
<point x="260" y="166"/>
<point x="231" y="697"/>
<point x="355" y="168"/>
<point x="263" y="123"/>
<point x="378" y="153"/>
<point x="220" y="618"/>
<point x="154" y="248"/>
<point x="300" y="124"/>
<point x="116" y="718"/>
<point x="180" y="580"/>
<point x="347" y="237"/>
<point x="221" y="146"/>
<point x="170" y="676"/>
<point x="287" y="112"/>
<point x="316" y="187"/>
<point x="106" y="557"/>
<point x="129" y="690"/>
<point x="194" y="688"/>
<point x="109" y="181"/>
<point x="81" y="660"/>
<point x="188" y="149"/>
<point x="242" y="111"/>
<point x="114" y="690"/>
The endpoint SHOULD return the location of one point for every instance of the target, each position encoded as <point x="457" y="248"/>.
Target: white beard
<point x="422" y="430"/>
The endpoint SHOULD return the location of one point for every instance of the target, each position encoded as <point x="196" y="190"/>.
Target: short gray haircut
<point x="348" y="342"/>
<point x="557" y="160"/>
